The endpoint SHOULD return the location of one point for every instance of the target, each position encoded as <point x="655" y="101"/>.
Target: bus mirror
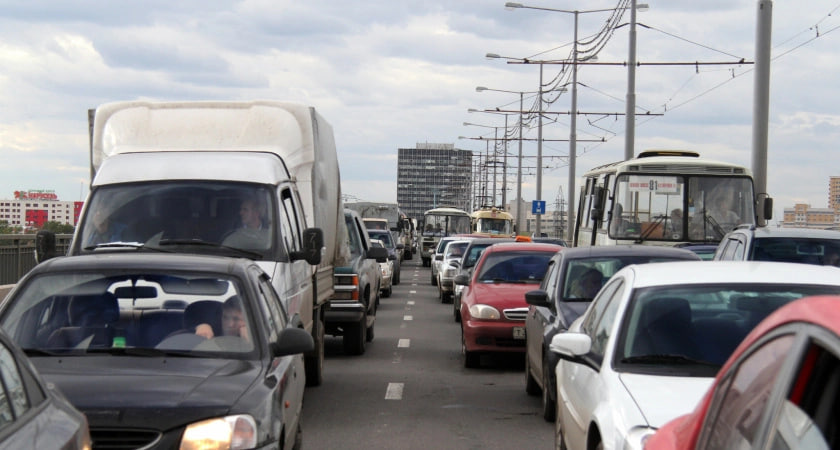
<point x="764" y="208"/>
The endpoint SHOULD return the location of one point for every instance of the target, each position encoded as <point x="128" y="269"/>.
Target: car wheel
<point x="313" y="364"/>
<point x="369" y="333"/>
<point x="298" y="438"/>
<point x="456" y="310"/>
<point x="558" y="433"/>
<point x="387" y="292"/>
<point x="440" y="293"/>
<point x="471" y="359"/>
<point x="355" y="336"/>
<point x="396" y="278"/>
<point x="531" y="386"/>
<point x="433" y="279"/>
<point x="548" y="408"/>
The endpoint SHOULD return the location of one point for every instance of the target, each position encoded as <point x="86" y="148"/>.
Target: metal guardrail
<point x="17" y="254"/>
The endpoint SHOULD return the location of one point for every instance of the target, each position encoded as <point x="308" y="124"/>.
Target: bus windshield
<point x="446" y="225"/>
<point x="680" y="207"/>
<point x="502" y="227"/>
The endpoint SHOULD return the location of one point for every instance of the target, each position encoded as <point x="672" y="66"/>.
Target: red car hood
<point x="500" y="295"/>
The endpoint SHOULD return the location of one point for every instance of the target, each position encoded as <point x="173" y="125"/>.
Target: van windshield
<point x="185" y="216"/>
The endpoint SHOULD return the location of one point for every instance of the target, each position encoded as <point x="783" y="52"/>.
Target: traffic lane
<point x="410" y="389"/>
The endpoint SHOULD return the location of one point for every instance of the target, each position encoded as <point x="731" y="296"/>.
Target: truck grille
<point x="517" y="314"/>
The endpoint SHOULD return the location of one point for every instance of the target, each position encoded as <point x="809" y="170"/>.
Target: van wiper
<point x="202" y="243"/>
<point x="666" y="359"/>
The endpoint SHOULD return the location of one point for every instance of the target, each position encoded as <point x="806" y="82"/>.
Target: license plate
<point x="519" y="332"/>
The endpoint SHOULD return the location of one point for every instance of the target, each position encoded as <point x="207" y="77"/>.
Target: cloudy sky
<point x="390" y="74"/>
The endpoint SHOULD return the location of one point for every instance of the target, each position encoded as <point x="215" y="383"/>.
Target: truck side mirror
<point x="44" y="246"/>
<point x="313" y="245"/>
<point x="764" y="209"/>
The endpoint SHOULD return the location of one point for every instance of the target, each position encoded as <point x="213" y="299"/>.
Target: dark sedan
<point x="165" y="351"/>
<point x="574" y="276"/>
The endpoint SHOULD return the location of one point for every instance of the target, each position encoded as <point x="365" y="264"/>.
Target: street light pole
<point x="539" y="149"/>
<point x="519" y="172"/>
<point x="573" y="136"/>
<point x="630" y="116"/>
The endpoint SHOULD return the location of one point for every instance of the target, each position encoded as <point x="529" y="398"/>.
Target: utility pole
<point x="761" y="103"/>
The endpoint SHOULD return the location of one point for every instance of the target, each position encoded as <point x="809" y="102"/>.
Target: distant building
<point x="804" y="216"/>
<point x="433" y="175"/>
<point x="31" y="209"/>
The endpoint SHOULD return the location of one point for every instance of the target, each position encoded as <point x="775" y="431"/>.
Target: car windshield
<point x="798" y="250"/>
<point x="455" y="250"/>
<point x="515" y="267"/>
<point x="192" y="314"/>
<point x="584" y="277"/>
<point x="693" y="329"/>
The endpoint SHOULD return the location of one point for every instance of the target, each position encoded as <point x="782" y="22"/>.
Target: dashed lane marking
<point x="408" y="318"/>
<point x="394" y="391"/>
<point x="403" y="343"/>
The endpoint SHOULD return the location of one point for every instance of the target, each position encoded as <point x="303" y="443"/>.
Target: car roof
<point x="486" y="240"/>
<point x="629" y="250"/>
<point x="520" y="246"/>
<point x="735" y="272"/>
<point x="762" y="232"/>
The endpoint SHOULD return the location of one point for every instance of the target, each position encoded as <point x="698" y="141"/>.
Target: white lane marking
<point x="412" y="292"/>
<point x="403" y="343"/>
<point x="394" y="391"/>
<point x="410" y="302"/>
<point x="408" y="318"/>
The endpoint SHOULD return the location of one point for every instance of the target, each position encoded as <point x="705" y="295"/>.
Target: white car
<point x="650" y="344"/>
<point x="437" y="256"/>
<point x="449" y="267"/>
<point x="387" y="269"/>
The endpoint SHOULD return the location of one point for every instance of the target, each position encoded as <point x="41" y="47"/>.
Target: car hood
<point x="507" y="295"/>
<point x="160" y="393"/>
<point x="655" y="395"/>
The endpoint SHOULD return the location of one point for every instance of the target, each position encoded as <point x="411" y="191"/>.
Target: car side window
<point x="808" y="418"/>
<point x="600" y="333"/>
<point x="742" y="399"/>
<point x="13" y="399"/>
<point x="293" y="239"/>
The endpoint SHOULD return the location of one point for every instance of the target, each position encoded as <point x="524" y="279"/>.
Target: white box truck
<point x="255" y="179"/>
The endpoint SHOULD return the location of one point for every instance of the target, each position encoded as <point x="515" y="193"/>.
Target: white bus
<point x="665" y="197"/>
<point x="440" y="222"/>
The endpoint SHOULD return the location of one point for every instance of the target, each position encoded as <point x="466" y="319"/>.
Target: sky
<point x="391" y="74"/>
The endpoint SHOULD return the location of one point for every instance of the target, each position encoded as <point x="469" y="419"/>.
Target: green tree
<point x="57" y="227"/>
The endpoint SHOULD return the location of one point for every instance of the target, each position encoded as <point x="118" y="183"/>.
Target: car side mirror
<point x="537" y="297"/>
<point x="292" y="341"/>
<point x="439" y="257"/>
<point x="380" y="254"/>
<point x="313" y="246"/>
<point x="44" y="246"/>
<point x="462" y="279"/>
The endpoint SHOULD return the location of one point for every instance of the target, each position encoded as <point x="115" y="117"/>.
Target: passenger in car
<point x="233" y="321"/>
<point x="589" y="284"/>
<point x="254" y="231"/>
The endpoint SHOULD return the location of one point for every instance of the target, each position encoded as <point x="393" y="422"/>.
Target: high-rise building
<point x="432" y="176"/>
<point x="834" y="193"/>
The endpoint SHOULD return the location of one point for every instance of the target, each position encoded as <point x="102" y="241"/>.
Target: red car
<point x="493" y="307"/>
<point x="779" y="389"/>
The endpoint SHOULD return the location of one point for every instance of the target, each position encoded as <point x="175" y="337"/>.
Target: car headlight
<point x="230" y="432"/>
<point x="450" y="271"/>
<point x="485" y="312"/>
<point x="637" y="436"/>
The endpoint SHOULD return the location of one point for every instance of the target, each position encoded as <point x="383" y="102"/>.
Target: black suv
<point x="799" y="245"/>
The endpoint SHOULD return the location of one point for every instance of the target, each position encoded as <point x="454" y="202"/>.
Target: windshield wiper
<point x="140" y="351"/>
<point x="38" y="352"/>
<point x="666" y="359"/>
<point x="119" y="244"/>
<point x="202" y="243"/>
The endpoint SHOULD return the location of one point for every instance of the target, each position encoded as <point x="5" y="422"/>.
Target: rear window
<point x="515" y="267"/>
<point x="797" y="250"/>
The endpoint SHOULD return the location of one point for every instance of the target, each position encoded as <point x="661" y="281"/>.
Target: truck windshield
<point x="184" y="216"/>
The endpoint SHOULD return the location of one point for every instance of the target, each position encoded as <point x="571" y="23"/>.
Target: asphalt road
<point x="410" y="389"/>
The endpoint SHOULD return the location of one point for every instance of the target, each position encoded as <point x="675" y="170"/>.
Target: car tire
<point x="531" y="386"/>
<point x="313" y="364"/>
<point x="395" y="279"/>
<point x="456" y="310"/>
<point x="355" y="337"/>
<point x="298" y="444"/>
<point x="433" y="279"/>
<point x="387" y="292"/>
<point x="548" y="408"/>
<point x="369" y="333"/>
<point x="472" y="360"/>
<point x="558" y="432"/>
